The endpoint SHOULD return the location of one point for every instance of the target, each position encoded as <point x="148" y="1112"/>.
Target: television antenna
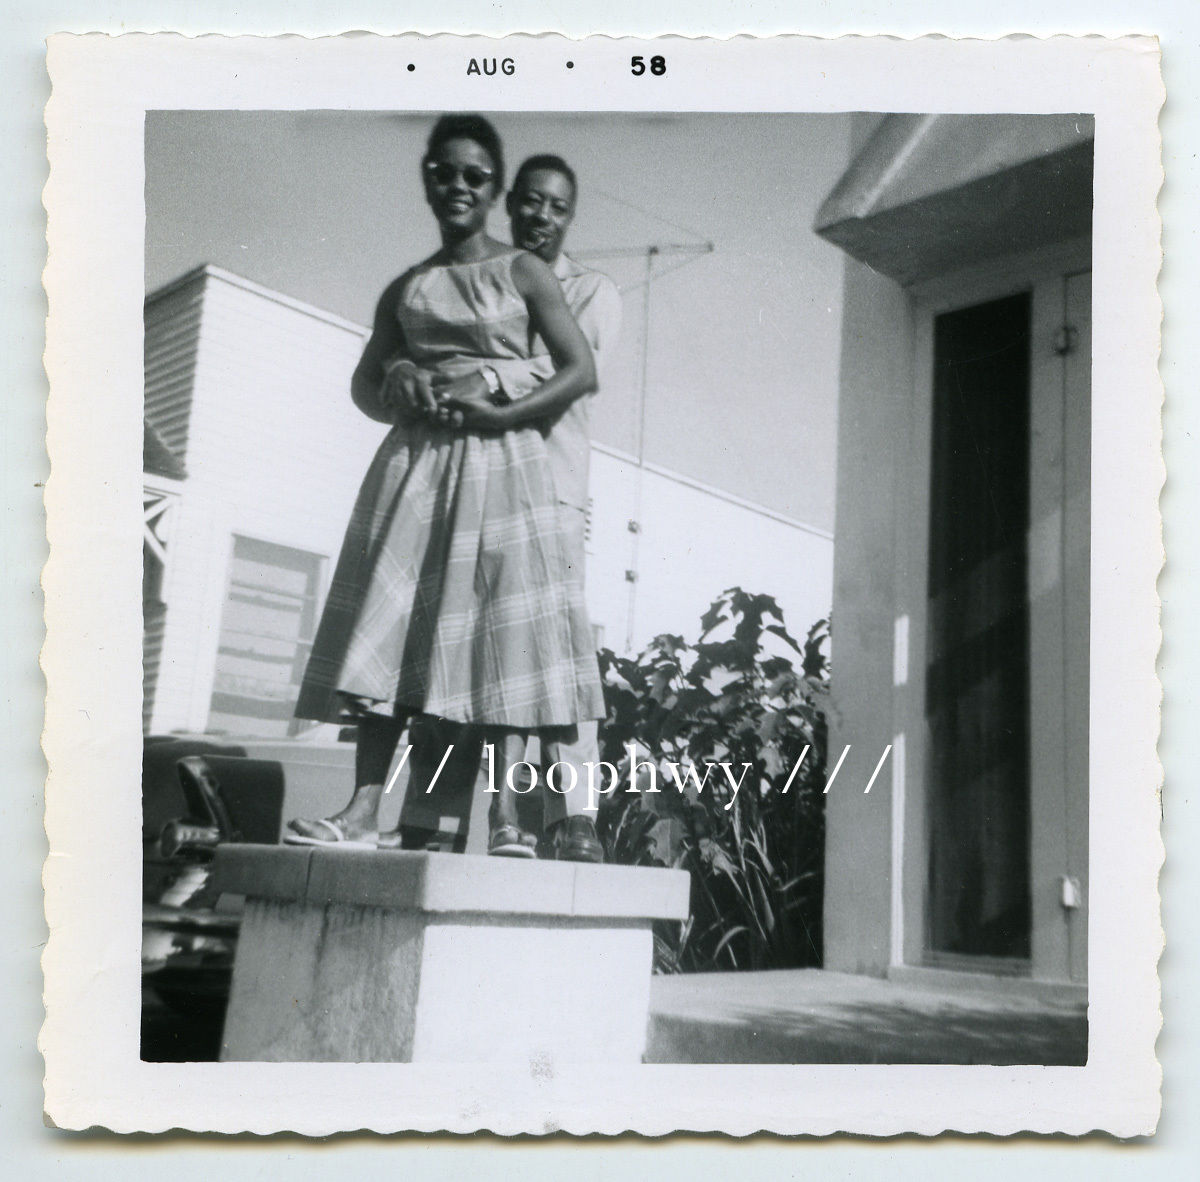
<point x="683" y="254"/>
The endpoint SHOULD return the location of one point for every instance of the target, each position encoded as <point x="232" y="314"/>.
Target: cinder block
<point x="630" y="891"/>
<point x="366" y="878"/>
<point x="546" y="995"/>
<point x="497" y="886"/>
<point x="264" y="871"/>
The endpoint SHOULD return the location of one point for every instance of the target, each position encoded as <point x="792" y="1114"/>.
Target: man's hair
<point x="546" y="163"/>
<point x="467" y="127"/>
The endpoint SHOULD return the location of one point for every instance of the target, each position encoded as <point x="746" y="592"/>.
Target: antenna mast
<point x="687" y="252"/>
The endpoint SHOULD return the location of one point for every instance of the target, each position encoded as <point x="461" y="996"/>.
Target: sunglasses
<point x="474" y="175"/>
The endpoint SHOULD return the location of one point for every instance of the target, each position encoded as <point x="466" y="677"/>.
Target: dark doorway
<point x="977" y="681"/>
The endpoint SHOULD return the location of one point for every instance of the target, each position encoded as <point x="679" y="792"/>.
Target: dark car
<point x="195" y="795"/>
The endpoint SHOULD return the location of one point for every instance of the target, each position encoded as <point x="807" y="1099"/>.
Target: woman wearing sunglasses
<point x="451" y="596"/>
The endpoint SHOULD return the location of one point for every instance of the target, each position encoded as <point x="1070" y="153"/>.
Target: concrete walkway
<point x="813" y="1016"/>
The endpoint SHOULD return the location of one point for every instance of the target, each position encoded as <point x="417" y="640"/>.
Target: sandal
<point x="507" y="841"/>
<point x="337" y="836"/>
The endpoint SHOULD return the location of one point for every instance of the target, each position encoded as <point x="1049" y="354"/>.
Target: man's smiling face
<point x="541" y="207"/>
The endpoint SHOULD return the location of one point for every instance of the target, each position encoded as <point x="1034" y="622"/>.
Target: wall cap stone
<point x="450" y="883"/>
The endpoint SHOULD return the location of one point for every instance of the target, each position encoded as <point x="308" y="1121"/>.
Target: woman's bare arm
<point x="380" y="392"/>
<point x="574" y="368"/>
<point x="574" y="365"/>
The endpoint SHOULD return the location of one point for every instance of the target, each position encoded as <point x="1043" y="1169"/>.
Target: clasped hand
<point x="463" y="402"/>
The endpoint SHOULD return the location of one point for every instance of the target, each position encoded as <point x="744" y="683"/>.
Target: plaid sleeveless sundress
<point x="452" y="595"/>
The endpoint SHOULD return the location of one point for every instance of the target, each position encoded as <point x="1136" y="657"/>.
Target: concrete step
<point x="813" y="1016"/>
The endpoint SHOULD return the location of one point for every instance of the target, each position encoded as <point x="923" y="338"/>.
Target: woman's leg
<point x="378" y="737"/>
<point x="506" y="837"/>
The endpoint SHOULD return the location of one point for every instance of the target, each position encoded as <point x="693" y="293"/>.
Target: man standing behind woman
<point x="541" y="207"/>
<point x="458" y="593"/>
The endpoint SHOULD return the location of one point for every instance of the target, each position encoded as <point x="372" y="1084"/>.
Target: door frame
<point x="1043" y="273"/>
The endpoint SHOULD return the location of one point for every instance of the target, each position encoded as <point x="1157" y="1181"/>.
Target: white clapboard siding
<point x="275" y="451"/>
<point x="172" y="335"/>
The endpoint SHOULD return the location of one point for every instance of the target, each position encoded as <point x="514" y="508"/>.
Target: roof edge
<point x="211" y="271"/>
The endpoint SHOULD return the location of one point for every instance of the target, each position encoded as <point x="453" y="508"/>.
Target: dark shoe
<point x="578" y="841"/>
<point x="507" y="841"/>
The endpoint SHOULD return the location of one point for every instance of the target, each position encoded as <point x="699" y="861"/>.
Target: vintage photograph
<point x="616" y="587"/>
<point x="602" y="586"/>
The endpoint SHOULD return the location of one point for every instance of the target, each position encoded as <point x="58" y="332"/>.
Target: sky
<point x="742" y="365"/>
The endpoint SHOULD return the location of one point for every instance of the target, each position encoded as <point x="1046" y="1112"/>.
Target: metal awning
<point x="928" y="194"/>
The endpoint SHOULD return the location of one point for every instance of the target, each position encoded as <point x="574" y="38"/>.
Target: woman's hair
<point x="467" y="127"/>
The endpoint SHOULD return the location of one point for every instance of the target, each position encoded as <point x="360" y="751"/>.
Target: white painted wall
<point x="695" y="541"/>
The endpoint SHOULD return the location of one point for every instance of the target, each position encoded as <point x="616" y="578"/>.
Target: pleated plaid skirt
<point x="452" y="594"/>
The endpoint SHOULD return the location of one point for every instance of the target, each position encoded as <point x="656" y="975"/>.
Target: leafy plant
<point x="744" y="709"/>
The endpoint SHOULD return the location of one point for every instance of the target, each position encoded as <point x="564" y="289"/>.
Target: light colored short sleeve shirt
<point x="596" y="305"/>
